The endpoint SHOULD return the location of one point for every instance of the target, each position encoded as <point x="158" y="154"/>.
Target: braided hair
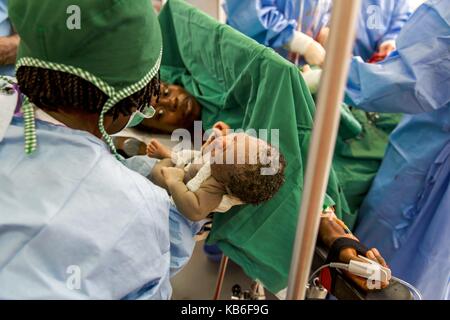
<point x="53" y="90"/>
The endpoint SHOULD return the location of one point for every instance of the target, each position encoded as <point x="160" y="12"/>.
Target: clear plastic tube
<point x="410" y="286"/>
<point x="344" y="266"/>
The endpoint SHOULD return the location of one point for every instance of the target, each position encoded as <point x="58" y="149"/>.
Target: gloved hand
<point x="315" y="54"/>
<point x="387" y="47"/>
<point x="303" y="44"/>
<point x="312" y="78"/>
<point x="322" y="38"/>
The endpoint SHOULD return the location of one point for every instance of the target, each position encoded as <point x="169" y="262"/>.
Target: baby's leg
<point x="156" y="149"/>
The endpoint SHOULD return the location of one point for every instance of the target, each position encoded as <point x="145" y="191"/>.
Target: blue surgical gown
<point x="75" y="223"/>
<point x="5" y="30"/>
<point x="379" y="21"/>
<point x="272" y="22"/>
<point x="407" y="212"/>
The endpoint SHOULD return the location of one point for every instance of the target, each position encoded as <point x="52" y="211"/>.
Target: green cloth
<point x="119" y="41"/>
<point x="248" y="86"/>
<point x="358" y="157"/>
<point x="349" y="126"/>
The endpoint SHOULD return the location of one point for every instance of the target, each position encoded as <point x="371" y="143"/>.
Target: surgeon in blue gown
<point x="275" y="23"/>
<point x="379" y="24"/>
<point x="406" y="214"/>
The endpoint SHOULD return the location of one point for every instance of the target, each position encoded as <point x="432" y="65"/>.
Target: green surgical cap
<point x="114" y="44"/>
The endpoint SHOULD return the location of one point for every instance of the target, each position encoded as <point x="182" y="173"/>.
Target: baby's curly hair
<point x="53" y="90"/>
<point x="251" y="184"/>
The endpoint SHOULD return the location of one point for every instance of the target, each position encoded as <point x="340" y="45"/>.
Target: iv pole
<point x="323" y="140"/>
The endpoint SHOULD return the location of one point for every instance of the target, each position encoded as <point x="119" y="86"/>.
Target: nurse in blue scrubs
<point x="76" y="220"/>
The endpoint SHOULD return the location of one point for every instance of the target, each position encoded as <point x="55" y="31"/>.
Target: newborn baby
<point x="230" y="169"/>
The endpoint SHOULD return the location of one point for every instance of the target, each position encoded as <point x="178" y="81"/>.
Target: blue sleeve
<point x="140" y="164"/>
<point x="400" y="15"/>
<point x="182" y="242"/>
<point x="326" y="19"/>
<point x="5" y="25"/>
<point x="385" y="87"/>
<point x="415" y="78"/>
<point x="262" y="20"/>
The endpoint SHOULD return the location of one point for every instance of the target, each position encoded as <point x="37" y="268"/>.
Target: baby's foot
<point x="157" y="150"/>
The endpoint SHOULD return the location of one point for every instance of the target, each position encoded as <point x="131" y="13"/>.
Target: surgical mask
<point x="138" y="116"/>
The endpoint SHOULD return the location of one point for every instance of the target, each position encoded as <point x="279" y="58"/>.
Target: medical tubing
<point x="344" y="266"/>
<point x="410" y="286"/>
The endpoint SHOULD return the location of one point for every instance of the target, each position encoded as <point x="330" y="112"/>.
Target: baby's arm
<point x="197" y="205"/>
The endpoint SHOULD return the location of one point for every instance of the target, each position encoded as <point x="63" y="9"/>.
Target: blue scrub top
<point x="406" y="213"/>
<point x="379" y="21"/>
<point x="75" y="223"/>
<point x="5" y="30"/>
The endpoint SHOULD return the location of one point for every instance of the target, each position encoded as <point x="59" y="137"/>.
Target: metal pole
<point x="300" y="27"/>
<point x="326" y="124"/>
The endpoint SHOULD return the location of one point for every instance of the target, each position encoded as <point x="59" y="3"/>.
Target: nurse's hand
<point x="9" y="45"/>
<point x="387" y="47"/>
<point x="322" y="38"/>
<point x="312" y="78"/>
<point x="172" y="174"/>
<point x="315" y="54"/>
<point x="310" y="49"/>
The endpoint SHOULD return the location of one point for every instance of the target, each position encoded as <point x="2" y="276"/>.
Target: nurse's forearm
<point x="8" y="49"/>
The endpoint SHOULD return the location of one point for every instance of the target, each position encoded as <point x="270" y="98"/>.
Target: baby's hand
<point x="173" y="174"/>
<point x="222" y="127"/>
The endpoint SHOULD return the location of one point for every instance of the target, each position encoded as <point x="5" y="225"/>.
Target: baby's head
<point x="251" y="169"/>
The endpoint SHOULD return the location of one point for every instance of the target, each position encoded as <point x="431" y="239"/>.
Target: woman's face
<point x="176" y="109"/>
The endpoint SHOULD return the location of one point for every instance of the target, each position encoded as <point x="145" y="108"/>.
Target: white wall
<point x="211" y="7"/>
